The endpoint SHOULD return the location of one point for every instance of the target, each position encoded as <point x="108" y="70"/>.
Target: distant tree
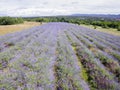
<point x="118" y="28"/>
<point x="104" y="25"/>
<point x="62" y="20"/>
<point x="39" y="19"/>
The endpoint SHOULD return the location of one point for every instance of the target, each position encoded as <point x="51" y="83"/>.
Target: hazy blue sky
<point x="55" y="7"/>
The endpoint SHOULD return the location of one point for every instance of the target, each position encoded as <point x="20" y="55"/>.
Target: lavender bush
<point x="59" y="56"/>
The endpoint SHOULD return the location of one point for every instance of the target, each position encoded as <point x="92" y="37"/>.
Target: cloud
<point x="74" y="2"/>
<point x="36" y="12"/>
<point x="55" y="7"/>
<point x="45" y="3"/>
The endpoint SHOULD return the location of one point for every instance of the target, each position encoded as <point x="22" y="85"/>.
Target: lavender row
<point x="67" y="67"/>
<point x="105" y="58"/>
<point x="21" y="65"/>
<point x="59" y="56"/>
<point x="89" y="62"/>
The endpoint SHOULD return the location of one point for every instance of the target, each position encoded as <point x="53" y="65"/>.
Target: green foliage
<point x="4" y="59"/>
<point x="116" y="56"/>
<point x="105" y="23"/>
<point x="84" y="74"/>
<point x="10" y="20"/>
<point x="118" y="28"/>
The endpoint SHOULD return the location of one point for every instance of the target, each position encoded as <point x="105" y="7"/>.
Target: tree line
<point x="10" y="20"/>
<point x="104" y="23"/>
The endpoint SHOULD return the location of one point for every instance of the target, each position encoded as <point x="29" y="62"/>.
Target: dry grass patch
<point x="5" y="29"/>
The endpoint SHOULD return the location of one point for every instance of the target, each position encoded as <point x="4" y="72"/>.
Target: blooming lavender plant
<point x="59" y="56"/>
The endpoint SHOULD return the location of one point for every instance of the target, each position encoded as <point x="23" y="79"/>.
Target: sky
<point x="55" y="7"/>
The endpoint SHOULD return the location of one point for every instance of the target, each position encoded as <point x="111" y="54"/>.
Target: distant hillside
<point x="112" y="16"/>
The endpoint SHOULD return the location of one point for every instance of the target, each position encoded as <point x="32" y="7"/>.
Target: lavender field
<point x="59" y="56"/>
